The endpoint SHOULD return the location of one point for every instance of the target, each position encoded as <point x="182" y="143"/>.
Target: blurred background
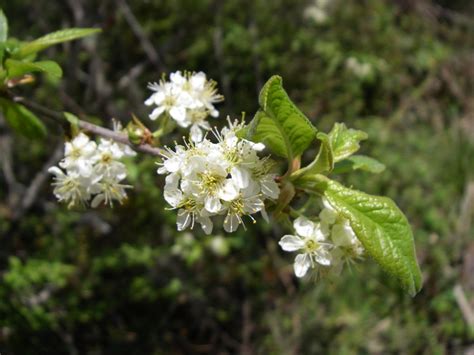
<point x="123" y="281"/>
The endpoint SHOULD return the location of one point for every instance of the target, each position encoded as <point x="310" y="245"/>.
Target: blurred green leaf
<point x="3" y="26"/>
<point x="22" y="120"/>
<point x="359" y="162"/>
<point x="282" y="126"/>
<point x="18" y="68"/>
<point x="345" y="141"/>
<point x="55" y="38"/>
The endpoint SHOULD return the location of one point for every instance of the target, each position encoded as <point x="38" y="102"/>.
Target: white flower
<point x="70" y="187"/>
<point x="207" y="179"/>
<point x="107" y="160"/>
<point x="347" y="247"/>
<point x="310" y="242"/>
<point x="188" y="98"/>
<point x="248" y="202"/>
<point x="168" y="99"/>
<point x="79" y="155"/>
<point x="92" y="171"/>
<point x="358" y="68"/>
<point x="109" y="190"/>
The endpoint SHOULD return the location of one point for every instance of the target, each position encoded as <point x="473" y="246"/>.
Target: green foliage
<point x="53" y="38"/>
<point x="22" y="120"/>
<point x="359" y="162"/>
<point x="3" y="27"/>
<point x="280" y="124"/>
<point x="344" y="141"/>
<point x="17" y="68"/>
<point x="324" y="161"/>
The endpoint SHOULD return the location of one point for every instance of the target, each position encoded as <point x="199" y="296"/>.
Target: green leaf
<point x="18" y="68"/>
<point x="380" y="226"/>
<point x="3" y="26"/>
<point x="22" y="120"/>
<point x="280" y="124"/>
<point x="359" y="162"/>
<point x="263" y="129"/>
<point x="324" y="161"/>
<point x="55" y="38"/>
<point x="345" y="141"/>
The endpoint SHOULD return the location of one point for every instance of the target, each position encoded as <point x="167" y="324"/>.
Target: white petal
<point x="156" y="113"/>
<point x="258" y="146"/>
<point x="206" y="224"/>
<point x="229" y="191"/>
<point x="173" y="196"/>
<point x="196" y="133"/>
<point x="328" y="216"/>
<point x="291" y="243"/>
<point x="183" y="220"/>
<point x="198" y="80"/>
<point x="342" y="235"/>
<point x="212" y="204"/>
<point x="318" y="233"/>
<point x="80" y="140"/>
<point x="150" y="101"/>
<point x="302" y="264"/>
<point x="178" y="113"/>
<point x="270" y="188"/>
<point x="323" y="257"/>
<point x="56" y="171"/>
<point x="241" y="176"/>
<point x="231" y="223"/>
<point x="97" y="200"/>
<point x="304" y="227"/>
<point x="173" y="164"/>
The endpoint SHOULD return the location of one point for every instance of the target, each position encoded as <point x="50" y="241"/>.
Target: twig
<point x="6" y="165"/>
<point x="31" y="193"/>
<point x="137" y="29"/>
<point x="463" y="303"/>
<point x="88" y="127"/>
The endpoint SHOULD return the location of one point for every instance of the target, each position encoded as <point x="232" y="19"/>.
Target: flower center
<point x="76" y="153"/>
<point x="237" y="206"/>
<point x="210" y="182"/>
<point x="106" y="158"/>
<point x="311" y="245"/>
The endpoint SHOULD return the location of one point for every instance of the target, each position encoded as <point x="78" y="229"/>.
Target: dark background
<point x="123" y="281"/>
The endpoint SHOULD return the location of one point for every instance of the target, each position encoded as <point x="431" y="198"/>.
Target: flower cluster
<point x="326" y="245"/>
<point x="226" y="178"/>
<point x="91" y="170"/>
<point x="188" y="99"/>
<point x="358" y="68"/>
<point x="318" y="11"/>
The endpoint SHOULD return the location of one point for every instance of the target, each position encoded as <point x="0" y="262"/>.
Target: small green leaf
<point x="380" y="226"/>
<point x="280" y="124"/>
<point x="55" y="38"/>
<point x="18" y="68"/>
<point x="324" y="161"/>
<point x="345" y="141"/>
<point x="359" y="162"/>
<point x="72" y="119"/>
<point x="3" y="26"/>
<point x="22" y="120"/>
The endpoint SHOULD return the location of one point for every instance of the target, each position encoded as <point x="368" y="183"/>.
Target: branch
<point x="142" y="37"/>
<point x="88" y="127"/>
<point x="31" y="193"/>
